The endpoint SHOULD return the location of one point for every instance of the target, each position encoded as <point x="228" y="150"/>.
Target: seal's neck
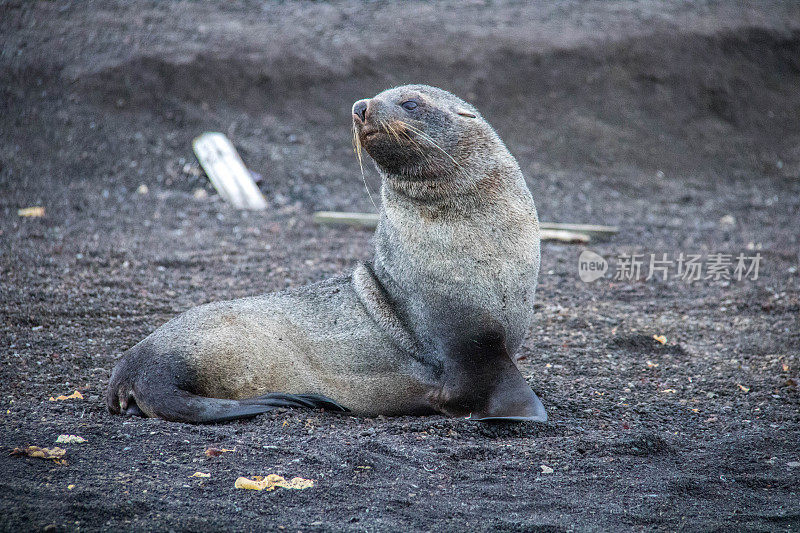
<point x="457" y="193"/>
<point x="427" y="191"/>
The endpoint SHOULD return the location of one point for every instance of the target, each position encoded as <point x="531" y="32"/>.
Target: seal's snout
<point x="360" y="111"/>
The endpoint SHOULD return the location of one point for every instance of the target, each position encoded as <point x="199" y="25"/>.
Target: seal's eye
<point x="409" y="105"/>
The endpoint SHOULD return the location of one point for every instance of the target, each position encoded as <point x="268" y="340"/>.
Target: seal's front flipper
<point x="482" y="380"/>
<point x="510" y="398"/>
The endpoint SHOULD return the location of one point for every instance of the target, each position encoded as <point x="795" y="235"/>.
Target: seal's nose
<point x="360" y="110"/>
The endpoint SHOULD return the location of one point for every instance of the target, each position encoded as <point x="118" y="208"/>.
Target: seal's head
<point x="419" y="131"/>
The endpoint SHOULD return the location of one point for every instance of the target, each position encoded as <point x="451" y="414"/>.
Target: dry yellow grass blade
<point x="272" y="482"/>
<point x="74" y="396"/>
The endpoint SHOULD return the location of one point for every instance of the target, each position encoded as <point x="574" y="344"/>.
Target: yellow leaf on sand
<point x="651" y="364"/>
<point x="273" y="481"/>
<point x="743" y="388"/>
<point x="660" y="338"/>
<point x="200" y="474"/>
<point x="32" y="212"/>
<point x="55" y="453"/>
<point x="74" y="396"/>
<point x="70" y="486"/>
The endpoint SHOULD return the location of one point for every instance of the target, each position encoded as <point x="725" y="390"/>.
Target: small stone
<point x="69" y="439"/>
<point x="143" y="189"/>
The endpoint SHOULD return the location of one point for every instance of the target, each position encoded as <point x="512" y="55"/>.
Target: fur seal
<point x="429" y="326"/>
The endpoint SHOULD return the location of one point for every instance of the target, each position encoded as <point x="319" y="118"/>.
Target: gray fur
<point x="428" y="327"/>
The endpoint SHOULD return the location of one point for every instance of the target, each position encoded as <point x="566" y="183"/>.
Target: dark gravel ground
<point x="679" y="122"/>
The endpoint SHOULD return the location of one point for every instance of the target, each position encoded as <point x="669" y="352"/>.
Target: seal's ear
<point x="465" y="113"/>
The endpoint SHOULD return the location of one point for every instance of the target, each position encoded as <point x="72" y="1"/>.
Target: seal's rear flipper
<point x="181" y="406"/>
<point x="139" y="387"/>
<point x="311" y="401"/>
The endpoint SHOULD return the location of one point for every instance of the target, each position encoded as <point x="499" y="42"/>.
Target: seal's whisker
<point x="404" y="131"/>
<point x="430" y="140"/>
<point x="390" y="128"/>
<point x="396" y="132"/>
<point x="357" y="149"/>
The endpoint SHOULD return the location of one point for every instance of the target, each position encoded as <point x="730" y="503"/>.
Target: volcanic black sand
<point x="678" y="122"/>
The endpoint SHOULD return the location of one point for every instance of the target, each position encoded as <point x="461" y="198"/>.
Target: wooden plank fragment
<point x="227" y="172"/>
<point x="31" y="212"/>
<point x="586" y="229"/>
<point x="569" y="237"/>
<point x="550" y="231"/>
<point x="342" y="218"/>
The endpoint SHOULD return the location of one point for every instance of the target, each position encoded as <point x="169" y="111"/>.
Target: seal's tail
<point x="154" y="392"/>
